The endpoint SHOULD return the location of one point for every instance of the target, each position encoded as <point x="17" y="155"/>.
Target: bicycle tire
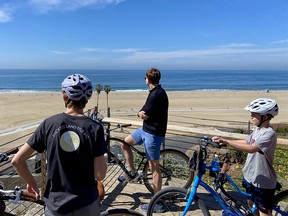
<point x="174" y="200"/>
<point x="121" y="212"/>
<point x="115" y="147"/>
<point x="281" y="202"/>
<point x="175" y="163"/>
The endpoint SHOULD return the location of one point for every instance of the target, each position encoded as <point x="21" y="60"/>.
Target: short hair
<point x="80" y="104"/>
<point x="154" y="75"/>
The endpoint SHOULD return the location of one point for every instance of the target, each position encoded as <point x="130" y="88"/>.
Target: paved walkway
<point x="133" y="195"/>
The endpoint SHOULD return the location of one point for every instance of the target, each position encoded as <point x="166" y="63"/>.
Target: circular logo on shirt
<point x="69" y="141"/>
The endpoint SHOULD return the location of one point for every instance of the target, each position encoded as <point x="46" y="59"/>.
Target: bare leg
<point x="156" y="175"/>
<point x="225" y="168"/>
<point x="128" y="154"/>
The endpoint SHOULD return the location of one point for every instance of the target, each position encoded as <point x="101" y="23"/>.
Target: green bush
<point x="282" y="131"/>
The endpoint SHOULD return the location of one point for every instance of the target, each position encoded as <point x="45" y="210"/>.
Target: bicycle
<point x="173" y="163"/>
<point x="179" y="201"/>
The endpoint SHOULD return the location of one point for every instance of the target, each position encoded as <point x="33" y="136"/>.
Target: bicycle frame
<point x="248" y="196"/>
<point x="198" y="181"/>
<point x="121" y="164"/>
<point x="224" y="205"/>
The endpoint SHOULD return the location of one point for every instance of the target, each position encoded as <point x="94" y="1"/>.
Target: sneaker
<point x="159" y="208"/>
<point x="134" y="176"/>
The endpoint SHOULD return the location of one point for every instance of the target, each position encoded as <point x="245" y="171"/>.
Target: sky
<point x="139" y="34"/>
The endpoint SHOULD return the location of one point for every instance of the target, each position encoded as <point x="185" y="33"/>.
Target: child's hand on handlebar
<point x="221" y="141"/>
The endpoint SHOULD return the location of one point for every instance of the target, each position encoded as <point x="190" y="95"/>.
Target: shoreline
<point x="20" y="113"/>
<point x="14" y="91"/>
<point x="24" y="108"/>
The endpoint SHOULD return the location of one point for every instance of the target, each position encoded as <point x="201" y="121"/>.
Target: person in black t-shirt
<point x="154" y="114"/>
<point x="75" y="148"/>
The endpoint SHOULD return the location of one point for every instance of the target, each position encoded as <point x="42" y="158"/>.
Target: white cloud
<point x="231" y="45"/>
<point x="5" y="15"/>
<point x="127" y="50"/>
<point x="196" y="54"/>
<point x="90" y="49"/>
<point x="281" y="41"/>
<point x="60" y="52"/>
<point x="123" y="50"/>
<point x="46" y="5"/>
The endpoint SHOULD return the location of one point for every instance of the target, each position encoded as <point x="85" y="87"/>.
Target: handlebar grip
<point x="214" y="144"/>
<point x="12" y="151"/>
<point x="28" y="195"/>
<point x="209" y="141"/>
<point x="126" y="125"/>
<point x="32" y="197"/>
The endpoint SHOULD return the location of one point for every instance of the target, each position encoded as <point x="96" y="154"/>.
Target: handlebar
<point x="17" y="195"/>
<point x="123" y="125"/>
<point x="205" y="141"/>
<point x="28" y="195"/>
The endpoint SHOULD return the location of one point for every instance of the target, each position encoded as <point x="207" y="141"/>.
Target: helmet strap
<point x="263" y="120"/>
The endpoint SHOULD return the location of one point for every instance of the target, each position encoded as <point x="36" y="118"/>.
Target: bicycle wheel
<point x="121" y="212"/>
<point x="281" y="202"/>
<point x="115" y="148"/>
<point x="174" y="169"/>
<point x="173" y="201"/>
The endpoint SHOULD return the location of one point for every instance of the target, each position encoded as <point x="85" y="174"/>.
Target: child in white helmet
<point x="259" y="176"/>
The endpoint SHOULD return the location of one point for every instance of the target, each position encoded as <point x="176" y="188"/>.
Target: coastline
<point x="25" y="108"/>
<point x="21" y="113"/>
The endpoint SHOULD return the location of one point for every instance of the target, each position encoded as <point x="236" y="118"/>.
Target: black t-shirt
<point x="156" y="107"/>
<point x="71" y="144"/>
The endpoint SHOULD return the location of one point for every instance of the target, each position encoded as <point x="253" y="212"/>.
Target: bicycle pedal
<point x="122" y="180"/>
<point x="124" y="183"/>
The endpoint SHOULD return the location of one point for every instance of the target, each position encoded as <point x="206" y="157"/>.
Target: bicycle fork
<point x="192" y="194"/>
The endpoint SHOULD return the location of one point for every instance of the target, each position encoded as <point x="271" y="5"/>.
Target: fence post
<point x="108" y="112"/>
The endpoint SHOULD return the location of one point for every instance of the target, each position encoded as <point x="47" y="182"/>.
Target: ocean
<point x="27" y="80"/>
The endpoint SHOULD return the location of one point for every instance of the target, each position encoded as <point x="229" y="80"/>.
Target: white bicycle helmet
<point x="263" y="106"/>
<point x="77" y="86"/>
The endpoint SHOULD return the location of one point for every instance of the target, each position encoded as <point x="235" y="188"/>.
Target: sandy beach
<point x="21" y="113"/>
<point x="199" y="107"/>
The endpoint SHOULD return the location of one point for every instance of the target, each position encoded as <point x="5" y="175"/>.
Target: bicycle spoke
<point x="174" y="170"/>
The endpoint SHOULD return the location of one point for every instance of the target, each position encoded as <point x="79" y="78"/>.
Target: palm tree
<point x="107" y="89"/>
<point x="98" y="90"/>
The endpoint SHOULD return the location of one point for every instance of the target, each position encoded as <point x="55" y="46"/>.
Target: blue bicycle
<point x="180" y="201"/>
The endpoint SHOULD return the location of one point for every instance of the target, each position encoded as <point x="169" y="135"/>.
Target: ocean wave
<point x="131" y="90"/>
<point x="14" y="91"/>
